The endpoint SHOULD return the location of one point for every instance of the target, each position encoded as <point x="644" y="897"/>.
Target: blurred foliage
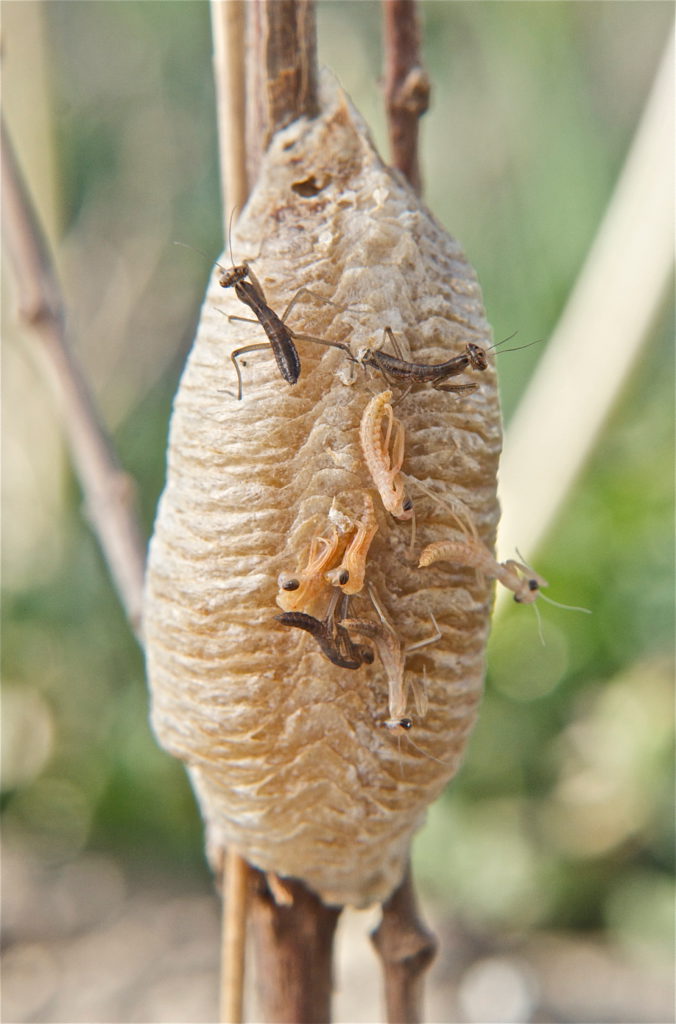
<point x="562" y="815"/>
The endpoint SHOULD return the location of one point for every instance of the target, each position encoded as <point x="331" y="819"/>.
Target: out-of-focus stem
<point x="235" y="900"/>
<point x="595" y="346"/>
<point x="228" y="26"/>
<point x="108" y="490"/>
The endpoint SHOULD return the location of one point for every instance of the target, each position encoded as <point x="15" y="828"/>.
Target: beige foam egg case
<point x="289" y="754"/>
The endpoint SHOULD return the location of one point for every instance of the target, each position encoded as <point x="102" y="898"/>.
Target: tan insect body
<point x="356" y="553"/>
<point x="392" y="655"/>
<point x="385" y="467"/>
<point x="517" y="577"/>
<point x="311" y="581"/>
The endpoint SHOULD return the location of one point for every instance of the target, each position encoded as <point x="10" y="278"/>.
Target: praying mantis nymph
<point x="523" y="581"/>
<point x="384" y="464"/>
<point x="392" y="654"/>
<point x="350" y="574"/>
<point x="281" y="337"/>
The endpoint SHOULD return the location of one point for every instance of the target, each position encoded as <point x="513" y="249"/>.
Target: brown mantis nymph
<point x="281" y="337"/>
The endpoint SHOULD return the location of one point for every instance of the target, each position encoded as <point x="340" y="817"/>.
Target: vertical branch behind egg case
<point x="289" y="755"/>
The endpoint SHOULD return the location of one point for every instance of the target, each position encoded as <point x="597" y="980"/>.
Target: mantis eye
<point x="290" y="585"/>
<point x="477" y="356"/>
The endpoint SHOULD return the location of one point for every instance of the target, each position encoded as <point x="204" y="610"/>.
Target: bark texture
<point x="287" y="753"/>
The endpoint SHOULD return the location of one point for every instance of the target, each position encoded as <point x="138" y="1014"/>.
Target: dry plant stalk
<point x="288" y="754"/>
<point x="407" y="85"/>
<point x="110" y="498"/>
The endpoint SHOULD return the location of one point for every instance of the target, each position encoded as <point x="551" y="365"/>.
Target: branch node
<point x="413" y="95"/>
<point x="406" y="948"/>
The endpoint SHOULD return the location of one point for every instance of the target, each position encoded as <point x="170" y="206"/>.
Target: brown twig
<point x="108" y="490"/>
<point x="407" y="86"/>
<point x="406" y="949"/>
<point x="235" y="900"/>
<point x="294" y="951"/>
<point x="282" y="71"/>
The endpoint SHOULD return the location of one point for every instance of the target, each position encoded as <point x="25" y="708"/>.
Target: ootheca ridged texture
<point x="288" y="754"/>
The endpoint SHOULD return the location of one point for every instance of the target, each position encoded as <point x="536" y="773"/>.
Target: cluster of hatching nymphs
<point x="336" y="565"/>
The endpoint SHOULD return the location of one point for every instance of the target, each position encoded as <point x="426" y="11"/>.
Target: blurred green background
<point x="561" y="821"/>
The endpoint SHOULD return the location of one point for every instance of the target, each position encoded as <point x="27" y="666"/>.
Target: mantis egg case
<point x="288" y="754"/>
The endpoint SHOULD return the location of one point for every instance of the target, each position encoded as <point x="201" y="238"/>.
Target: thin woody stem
<point x="228" y="26"/>
<point x="282" y="71"/>
<point x="406" y="949"/>
<point x="108" y="490"/>
<point x="407" y="86"/>
<point x="235" y="901"/>
<point x="294" y="952"/>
